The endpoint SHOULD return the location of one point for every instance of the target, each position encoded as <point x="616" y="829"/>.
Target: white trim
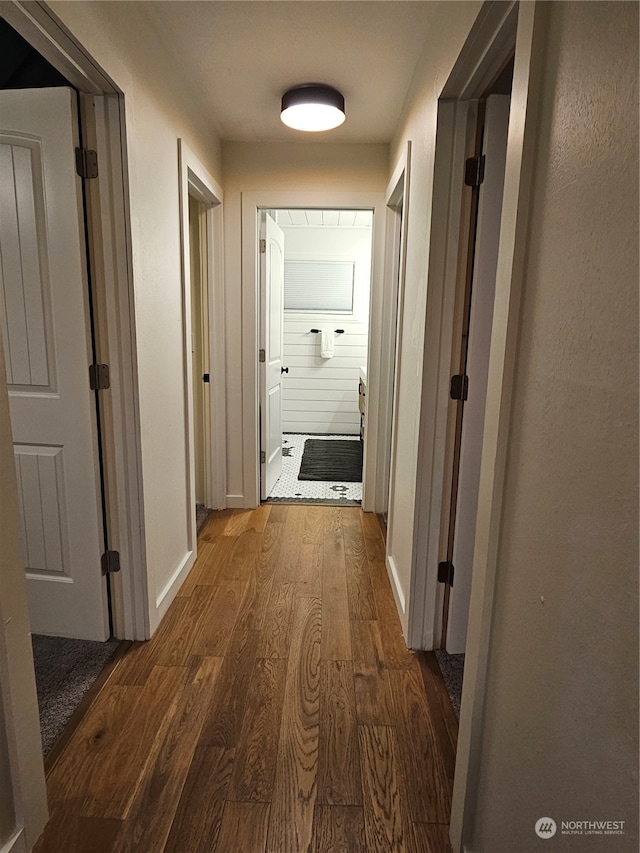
<point x="170" y="589"/>
<point x="488" y="42"/>
<point x="115" y="324"/>
<point x="235" y="501"/>
<point x="425" y="600"/>
<point x="396" y="586"/>
<point x="15" y="844"/>
<point x="43" y="30"/>
<point x="196" y="181"/>
<point x="108" y="215"/>
<point x="395" y="266"/>
<point x="251" y="203"/>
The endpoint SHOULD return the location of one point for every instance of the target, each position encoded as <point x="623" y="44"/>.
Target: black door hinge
<point x="110" y="562"/>
<point x="99" y="378"/>
<point x="459" y="387"/>
<point x="87" y="162"/>
<point x="445" y="572"/>
<point x="474" y="171"/>
<point x="205" y="377"/>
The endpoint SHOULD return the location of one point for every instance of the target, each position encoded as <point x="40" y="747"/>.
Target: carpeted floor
<point x="202" y="514"/>
<point x="452" y="668"/>
<point x="65" y="670"/>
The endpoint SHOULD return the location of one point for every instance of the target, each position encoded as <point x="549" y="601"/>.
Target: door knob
<point x="284" y="370"/>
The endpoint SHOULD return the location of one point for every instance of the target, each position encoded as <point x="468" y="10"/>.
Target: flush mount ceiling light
<point x="312" y="107"/>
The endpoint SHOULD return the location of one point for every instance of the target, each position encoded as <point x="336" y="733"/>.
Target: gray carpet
<point x="452" y="669"/>
<point x="202" y="514"/>
<point x="65" y="670"/>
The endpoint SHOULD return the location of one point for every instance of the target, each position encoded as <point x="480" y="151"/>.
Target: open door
<point x="271" y="340"/>
<point x="44" y="310"/>
<point x="475" y="366"/>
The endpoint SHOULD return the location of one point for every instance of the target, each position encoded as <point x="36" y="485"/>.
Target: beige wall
<point x="452" y="23"/>
<point x="257" y="167"/>
<point x="560" y="736"/>
<point x="160" y="107"/>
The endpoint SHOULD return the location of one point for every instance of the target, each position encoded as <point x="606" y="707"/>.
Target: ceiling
<point x="241" y="56"/>
<point x="325" y="218"/>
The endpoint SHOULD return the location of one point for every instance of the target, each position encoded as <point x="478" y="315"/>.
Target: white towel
<point x="326" y="344"/>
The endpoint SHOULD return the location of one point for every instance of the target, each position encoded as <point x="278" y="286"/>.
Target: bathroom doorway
<point x="315" y="267"/>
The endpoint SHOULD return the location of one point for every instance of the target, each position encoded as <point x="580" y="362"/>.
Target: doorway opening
<point x="315" y="271"/>
<point x="470" y="373"/>
<point x="200" y="376"/>
<point x="48" y="331"/>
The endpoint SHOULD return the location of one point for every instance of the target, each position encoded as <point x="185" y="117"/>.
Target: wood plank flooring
<point x="276" y="710"/>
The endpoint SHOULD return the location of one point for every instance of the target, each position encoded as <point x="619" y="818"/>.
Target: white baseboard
<point x="171" y="589"/>
<point x="398" y="594"/>
<point x="235" y="501"/>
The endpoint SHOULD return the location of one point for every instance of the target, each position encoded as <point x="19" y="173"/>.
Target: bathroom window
<point x="319" y="286"/>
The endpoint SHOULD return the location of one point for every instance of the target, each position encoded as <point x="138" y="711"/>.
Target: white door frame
<point x="197" y="182"/>
<point x="395" y="253"/>
<point x="102" y="118"/>
<point x="252" y="202"/>
<point x="498" y="29"/>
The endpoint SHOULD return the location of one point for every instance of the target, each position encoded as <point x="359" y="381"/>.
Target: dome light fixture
<point x="312" y="107"/>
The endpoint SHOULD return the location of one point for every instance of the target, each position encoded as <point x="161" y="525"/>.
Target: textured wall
<point x="560" y="735"/>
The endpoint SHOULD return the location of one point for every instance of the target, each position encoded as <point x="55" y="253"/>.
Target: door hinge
<point x="459" y="387"/>
<point x="110" y="562"/>
<point x="87" y="162"/>
<point x="263" y="457"/>
<point x="262" y="356"/>
<point x="474" y="171"/>
<point x="263" y="246"/>
<point x="445" y="572"/>
<point x="206" y="377"/>
<point x="99" y="378"/>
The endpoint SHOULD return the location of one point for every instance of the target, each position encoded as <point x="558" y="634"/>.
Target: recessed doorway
<point x="315" y="269"/>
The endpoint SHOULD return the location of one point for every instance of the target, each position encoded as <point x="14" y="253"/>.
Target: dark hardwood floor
<point x="277" y="709"/>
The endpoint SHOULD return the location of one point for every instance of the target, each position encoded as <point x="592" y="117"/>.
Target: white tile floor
<point x="288" y="487"/>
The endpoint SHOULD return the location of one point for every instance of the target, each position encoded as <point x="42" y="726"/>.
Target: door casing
<point x="500" y="30"/>
<point x="196" y="181"/>
<point x="102" y="121"/>
<point x="252" y="203"/>
<point x="397" y="198"/>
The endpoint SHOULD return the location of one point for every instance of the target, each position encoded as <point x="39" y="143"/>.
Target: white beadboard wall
<point x="321" y="395"/>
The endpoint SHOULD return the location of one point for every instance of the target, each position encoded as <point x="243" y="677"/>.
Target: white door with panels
<point x="46" y="333"/>
<point x="271" y="343"/>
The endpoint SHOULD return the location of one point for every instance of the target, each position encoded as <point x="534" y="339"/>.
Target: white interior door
<point x="44" y="314"/>
<point x="271" y="300"/>
<point x="482" y="300"/>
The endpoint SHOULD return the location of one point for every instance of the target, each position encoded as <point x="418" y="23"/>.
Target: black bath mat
<point x="329" y="460"/>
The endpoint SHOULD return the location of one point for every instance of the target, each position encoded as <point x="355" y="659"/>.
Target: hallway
<point x="276" y="710"/>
